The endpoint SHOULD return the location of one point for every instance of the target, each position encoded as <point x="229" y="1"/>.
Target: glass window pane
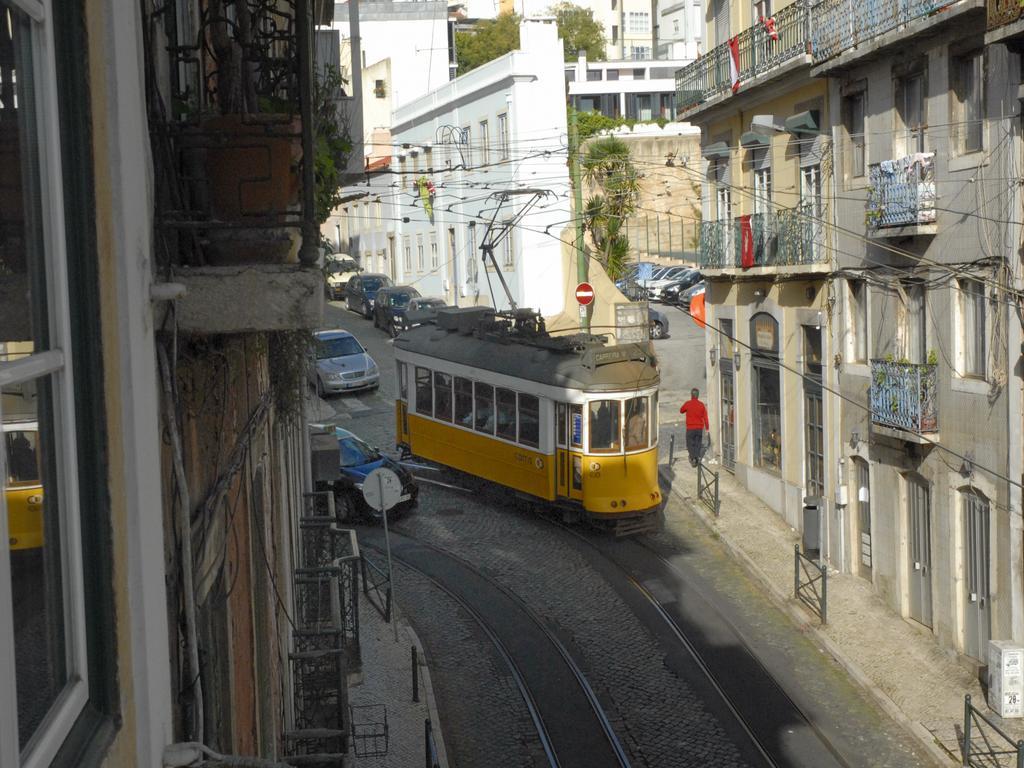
<point x="403" y="382"/>
<point x="529" y="420"/>
<point x="636" y="424"/>
<point x="654" y="419"/>
<point x="560" y="421"/>
<point x="767" y="423"/>
<point x="442" y="396"/>
<point x="506" y="414"/>
<point x="576" y="425"/>
<point x="22" y="269"/>
<point x="29" y="484"/>
<point x="483" y="396"/>
<point x="604" y="426"/>
<point x="424" y="392"/>
<point x="463" y="402"/>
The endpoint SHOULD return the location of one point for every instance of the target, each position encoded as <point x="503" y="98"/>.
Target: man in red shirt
<point x="696" y="423"/>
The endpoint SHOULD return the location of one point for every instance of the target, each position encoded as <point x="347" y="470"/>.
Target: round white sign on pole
<point x="382" y="489"/>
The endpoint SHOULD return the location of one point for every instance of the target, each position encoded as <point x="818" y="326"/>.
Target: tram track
<point x="571" y="724"/>
<point x="772" y="698"/>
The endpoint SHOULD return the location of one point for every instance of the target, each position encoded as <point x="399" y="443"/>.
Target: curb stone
<point x="427" y="686"/>
<point x="784" y="602"/>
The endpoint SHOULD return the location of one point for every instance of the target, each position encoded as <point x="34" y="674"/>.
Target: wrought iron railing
<point x="707" y="488"/>
<point x="839" y="25"/>
<point x="758" y="54"/>
<point x="810" y="583"/>
<point x="985" y="743"/>
<point x="901" y="192"/>
<point x="230" y="100"/>
<point x="903" y="395"/>
<point x="1000" y="12"/>
<point x="782" y="238"/>
<point x="325" y="637"/>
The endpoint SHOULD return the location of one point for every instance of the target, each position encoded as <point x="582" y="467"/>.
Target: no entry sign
<point x="584" y="294"/>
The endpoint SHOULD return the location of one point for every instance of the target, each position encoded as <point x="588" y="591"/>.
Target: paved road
<point x="664" y="710"/>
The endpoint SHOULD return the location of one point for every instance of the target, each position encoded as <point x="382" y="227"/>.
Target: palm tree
<point x="608" y="168"/>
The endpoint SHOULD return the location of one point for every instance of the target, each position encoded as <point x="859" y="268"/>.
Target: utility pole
<point x="574" y="173"/>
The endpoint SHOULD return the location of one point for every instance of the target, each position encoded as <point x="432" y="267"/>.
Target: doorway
<point x="977" y="620"/>
<point x="919" y="562"/>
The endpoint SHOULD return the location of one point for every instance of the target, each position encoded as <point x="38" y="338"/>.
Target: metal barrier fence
<point x="707" y="487"/>
<point x="430" y="758"/>
<point x="810" y="583"/>
<point x="374" y="578"/>
<point x="985" y="743"/>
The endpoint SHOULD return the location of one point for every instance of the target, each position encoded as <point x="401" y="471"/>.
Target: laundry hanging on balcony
<point x="734" y="62"/>
<point x="768" y="22"/>
<point x="746" y="243"/>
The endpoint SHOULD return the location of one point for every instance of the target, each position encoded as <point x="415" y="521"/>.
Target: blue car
<point x="361" y="292"/>
<point x="359" y="459"/>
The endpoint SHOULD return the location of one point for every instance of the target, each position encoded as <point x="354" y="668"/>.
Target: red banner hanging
<point x="746" y="243"/>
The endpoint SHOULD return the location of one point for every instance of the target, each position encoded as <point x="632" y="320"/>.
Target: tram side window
<point x="604" y="426"/>
<point x="442" y="396"/>
<point x="403" y="382"/>
<point x="463" y="402"/>
<point x="561" y="416"/>
<point x="654" y="419"/>
<point x="636" y="424"/>
<point x="529" y="420"/>
<point x="576" y="425"/>
<point x="483" y="396"/>
<point x="424" y="392"/>
<point x="506" y="413"/>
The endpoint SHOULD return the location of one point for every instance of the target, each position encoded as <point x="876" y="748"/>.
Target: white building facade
<point x="638" y="90"/>
<point x="493" y="133"/>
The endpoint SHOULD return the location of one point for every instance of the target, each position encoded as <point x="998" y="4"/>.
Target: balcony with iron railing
<point x="903" y="398"/>
<point x="844" y="30"/>
<point x="708" y="78"/>
<point x="901" y="196"/>
<point x="1004" y="19"/>
<point x="783" y="241"/>
<point x="230" y="105"/>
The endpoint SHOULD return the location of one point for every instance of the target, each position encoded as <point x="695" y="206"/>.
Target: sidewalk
<point x="917" y="682"/>
<point x="386" y="682"/>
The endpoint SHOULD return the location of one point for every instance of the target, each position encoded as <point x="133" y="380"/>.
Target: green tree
<point x="607" y="168"/>
<point x="488" y="40"/>
<point x="579" y="31"/>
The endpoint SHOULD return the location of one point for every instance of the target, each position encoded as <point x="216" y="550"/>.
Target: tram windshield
<point x="617" y="424"/>
<point x="604" y="426"/>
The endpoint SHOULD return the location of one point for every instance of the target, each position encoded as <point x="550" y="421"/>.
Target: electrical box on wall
<point x="1006" y="678"/>
<point x="842" y="495"/>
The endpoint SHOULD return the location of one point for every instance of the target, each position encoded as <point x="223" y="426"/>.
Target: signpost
<point x="584" y="294"/>
<point x="382" y="490"/>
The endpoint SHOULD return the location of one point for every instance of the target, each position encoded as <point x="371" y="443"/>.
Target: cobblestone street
<point x="649" y="692"/>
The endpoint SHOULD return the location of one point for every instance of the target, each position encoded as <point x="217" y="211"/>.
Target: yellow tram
<point x="24" y="490"/>
<point x="571" y="421"/>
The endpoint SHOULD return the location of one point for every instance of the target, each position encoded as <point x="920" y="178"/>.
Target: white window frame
<point x="407" y="253"/>
<point x="503" y="135"/>
<point x="965" y="322"/>
<point x="485" y="149"/>
<point x="961" y="108"/>
<point x="859" y="321"/>
<point x="420" y="259"/>
<point x="434" y="262"/>
<point x="55" y="362"/>
<point x="472" y="263"/>
<point x="508" y="254"/>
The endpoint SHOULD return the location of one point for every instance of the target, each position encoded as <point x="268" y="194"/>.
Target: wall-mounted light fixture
<point x="736" y="361"/>
<point x="713" y="356"/>
<point x="854" y="439"/>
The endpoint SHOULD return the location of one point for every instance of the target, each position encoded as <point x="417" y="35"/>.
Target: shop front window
<point x="766" y="392"/>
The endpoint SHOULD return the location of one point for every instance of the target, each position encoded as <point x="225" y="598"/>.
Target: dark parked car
<point x="390" y="305"/>
<point x="671" y="294"/>
<point x="687" y="296"/>
<point x="419" y="311"/>
<point x="361" y="292"/>
<point x="359" y="459"/>
<point x="657" y="322"/>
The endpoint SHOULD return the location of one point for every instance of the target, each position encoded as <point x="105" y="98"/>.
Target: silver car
<point x="343" y="364"/>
